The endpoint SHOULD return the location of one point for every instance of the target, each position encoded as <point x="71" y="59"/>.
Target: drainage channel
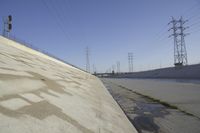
<point x="149" y="116"/>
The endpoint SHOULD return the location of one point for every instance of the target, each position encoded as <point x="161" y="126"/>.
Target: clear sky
<point x="110" y="28"/>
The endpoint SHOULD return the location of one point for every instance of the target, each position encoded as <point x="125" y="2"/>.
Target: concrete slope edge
<point x="120" y="108"/>
<point x="18" y="45"/>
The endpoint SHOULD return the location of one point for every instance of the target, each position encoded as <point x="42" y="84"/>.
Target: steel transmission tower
<point x="94" y="69"/>
<point x="130" y="62"/>
<point x="180" y="53"/>
<point x="87" y="60"/>
<point x="118" y="66"/>
<point x="113" y="68"/>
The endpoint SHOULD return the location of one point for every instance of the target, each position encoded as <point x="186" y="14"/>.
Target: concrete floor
<point x="184" y="95"/>
<point x="41" y="94"/>
<point x="150" y="116"/>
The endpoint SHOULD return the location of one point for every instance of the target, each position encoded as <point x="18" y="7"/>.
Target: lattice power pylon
<point x="130" y="62"/>
<point x="180" y="53"/>
<point x="118" y="67"/>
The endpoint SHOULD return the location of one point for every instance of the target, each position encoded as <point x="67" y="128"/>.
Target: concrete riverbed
<point x="148" y="114"/>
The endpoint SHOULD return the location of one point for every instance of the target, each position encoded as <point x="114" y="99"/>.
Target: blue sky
<point x="110" y="28"/>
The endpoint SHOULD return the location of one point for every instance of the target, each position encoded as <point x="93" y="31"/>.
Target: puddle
<point x="145" y="115"/>
<point x="140" y="110"/>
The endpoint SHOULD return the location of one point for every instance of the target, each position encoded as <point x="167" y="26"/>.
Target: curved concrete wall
<point x="184" y="72"/>
<point x="41" y="94"/>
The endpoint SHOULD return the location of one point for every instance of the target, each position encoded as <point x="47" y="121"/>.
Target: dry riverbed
<point x="149" y="115"/>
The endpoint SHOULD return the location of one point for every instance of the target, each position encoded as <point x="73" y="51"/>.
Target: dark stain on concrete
<point x="42" y="110"/>
<point x="51" y="84"/>
<point x="2" y="62"/>
<point x="145" y="110"/>
<point x="68" y="82"/>
<point x="11" y="77"/>
<point x="9" y="112"/>
<point x="44" y="69"/>
<point x="24" y="62"/>
<point x="145" y="123"/>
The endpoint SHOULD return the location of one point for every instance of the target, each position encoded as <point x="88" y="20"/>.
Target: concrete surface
<point x="39" y="94"/>
<point x="149" y="116"/>
<point x="184" y="95"/>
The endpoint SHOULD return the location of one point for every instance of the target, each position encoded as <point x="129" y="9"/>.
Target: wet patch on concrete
<point x="140" y="110"/>
<point x="149" y="115"/>
<point x="146" y="112"/>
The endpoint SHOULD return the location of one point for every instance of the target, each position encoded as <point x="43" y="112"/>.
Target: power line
<point x="194" y="16"/>
<point x="195" y="31"/>
<point x="55" y="17"/>
<point x="190" y="10"/>
<point x="196" y="23"/>
<point x="60" y="9"/>
<point x="194" y="27"/>
<point x="163" y="29"/>
<point x="61" y="16"/>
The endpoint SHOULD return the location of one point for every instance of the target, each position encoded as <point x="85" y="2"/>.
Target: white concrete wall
<point x="184" y="72"/>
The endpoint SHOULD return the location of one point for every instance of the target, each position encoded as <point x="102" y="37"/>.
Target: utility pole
<point x="118" y="67"/>
<point x="113" y="68"/>
<point x="87" y="60"/>
<point x="94" y="69"/>
<point x="110" y="70"/>
<point x="130" y="62"/>
<point x="7" y="26"/>
<point x="180" y="53"/>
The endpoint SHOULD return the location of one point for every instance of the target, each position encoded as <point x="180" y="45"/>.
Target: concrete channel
<point x="150" y="115"/>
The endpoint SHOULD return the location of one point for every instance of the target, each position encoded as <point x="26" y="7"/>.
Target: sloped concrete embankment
<point x="41" y="94"/>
